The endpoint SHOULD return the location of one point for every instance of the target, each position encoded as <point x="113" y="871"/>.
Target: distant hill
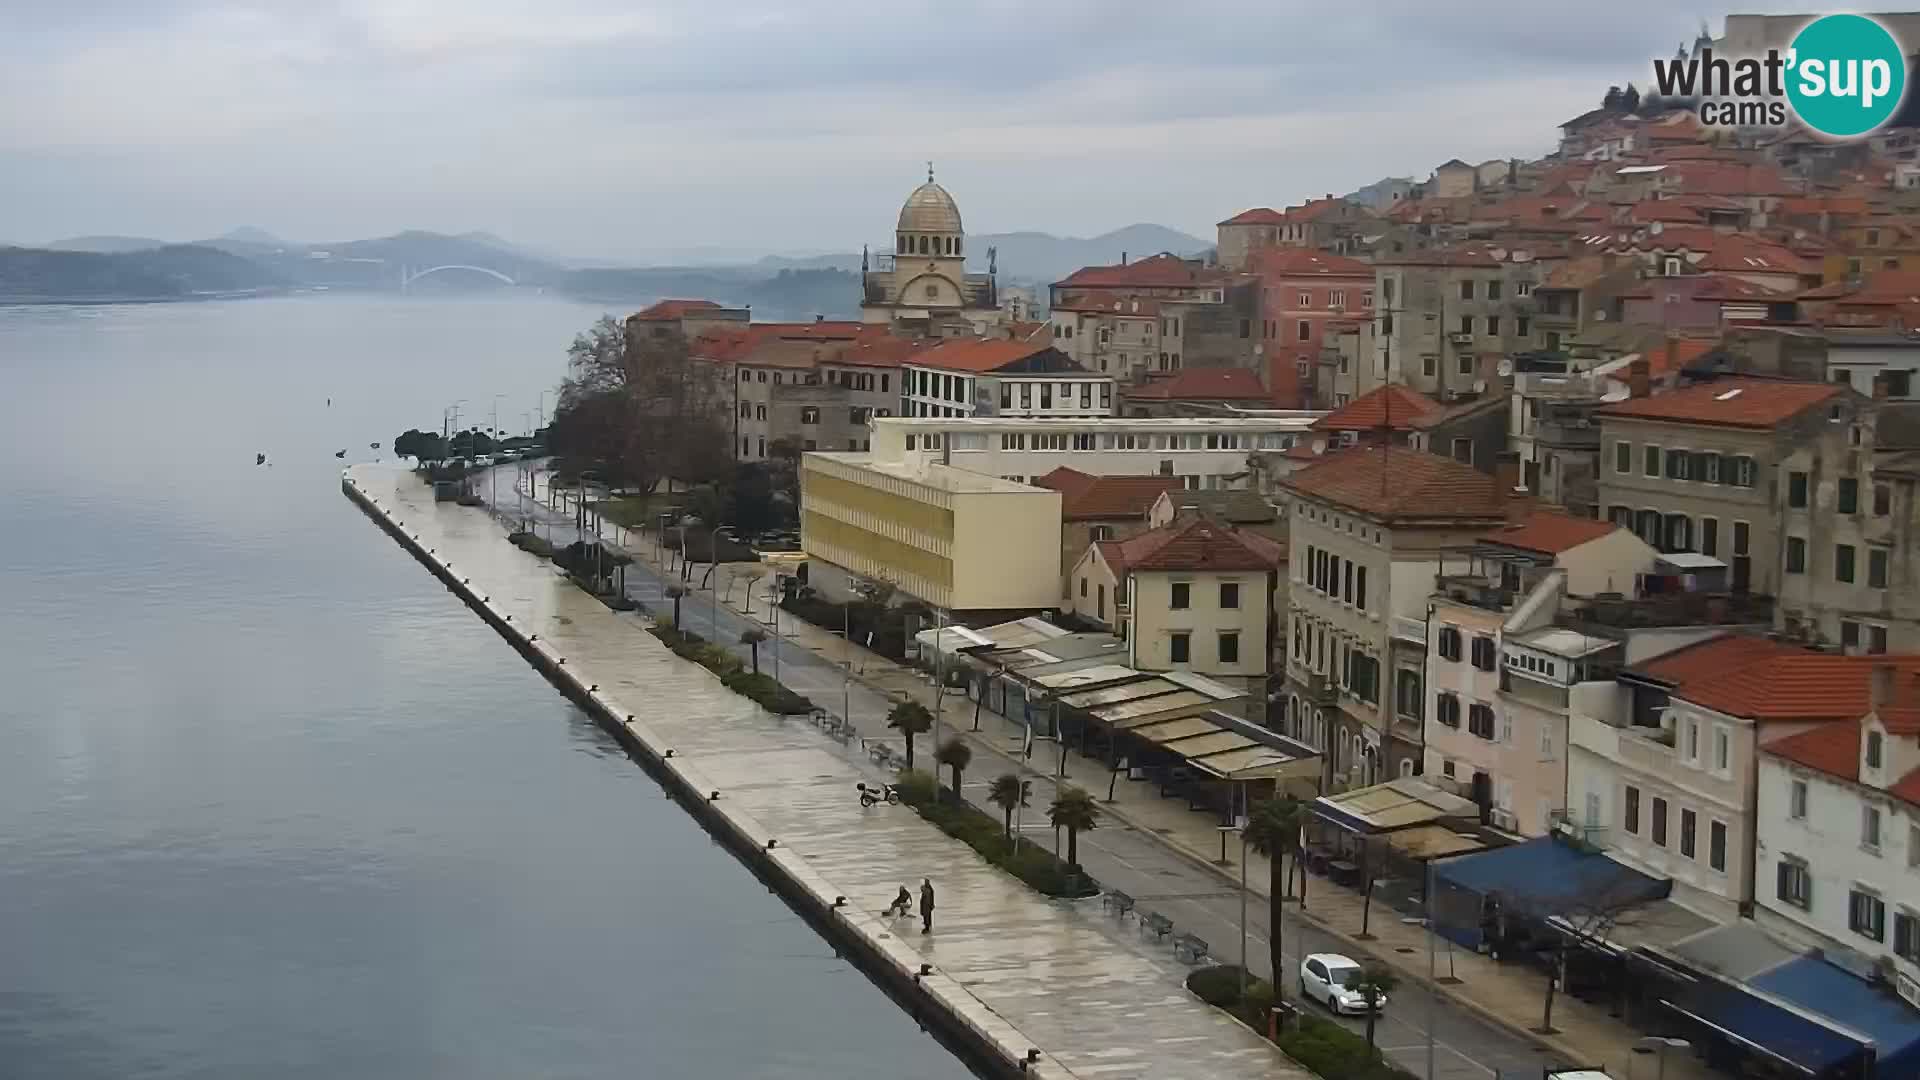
<point x="1032" y="256"/>
<point x="170" y="272"/>
<point x="1038" y="256"/>
<point x="106" y="245"/>
<point x="786" y="294"/>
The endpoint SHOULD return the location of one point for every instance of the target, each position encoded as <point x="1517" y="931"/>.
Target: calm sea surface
<point x="274" y="804"/>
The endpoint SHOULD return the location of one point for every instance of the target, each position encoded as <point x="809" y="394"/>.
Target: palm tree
<point x="1009" y="793"/>
<point x="955" y="754"/>
<point x="676" y="591"/>
<point x="1273" y="830"/>
<point x="751" y="638"/>
<point x="1074" y="811"/>
<point x="910" y="718"/>
<point x="1374" y="983"/>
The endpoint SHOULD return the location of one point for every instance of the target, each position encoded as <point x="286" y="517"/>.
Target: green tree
<point x="675" y="590"/>
<point x="751" y="638"/>
<point x="1375" y="983"/>
<point x="955" y="754"/>
<point x="1009" y="793"/>
<point x="1073" y="810"/>
<point x="910" y="718"/>
<point x="1273" y="830"/>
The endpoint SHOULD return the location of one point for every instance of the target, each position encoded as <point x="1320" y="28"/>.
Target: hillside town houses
<point x="1583" y="489"/>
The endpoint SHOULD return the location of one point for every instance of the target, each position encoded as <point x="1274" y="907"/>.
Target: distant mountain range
<point x="1033" y="256"/>
<point x="248" y="259"/>
<point x="173" y="272"/>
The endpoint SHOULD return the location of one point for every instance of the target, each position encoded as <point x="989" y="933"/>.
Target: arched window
<point x="958" y="244"/>
<point x="923" y="245"/>
<point x="905" y="245"/>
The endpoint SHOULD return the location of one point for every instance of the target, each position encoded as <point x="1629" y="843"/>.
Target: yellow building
<point x="958" y="540"/>
<point x="1864" y="248"/>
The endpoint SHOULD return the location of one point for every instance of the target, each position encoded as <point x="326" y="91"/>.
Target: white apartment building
<point x="1205" y="453"/>
<point x="995" y="377"/>
<point x="1504" y="675"/>
<point x="1677" y="784"/>
<point x="1838" y="834"/>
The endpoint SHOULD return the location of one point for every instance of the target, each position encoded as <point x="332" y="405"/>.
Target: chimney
<point x="1515" y="501"/>
<point x="1880" y="690"/>
<point x="1639" y="379"/>
<point x="818" y="319"/>
<point x="1123" y="258"/>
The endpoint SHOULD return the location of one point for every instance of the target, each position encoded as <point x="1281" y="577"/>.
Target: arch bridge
<point x="409" y="275"/>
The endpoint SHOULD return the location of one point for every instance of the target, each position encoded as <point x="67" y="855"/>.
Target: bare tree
<point x="1577" y="910"/>
<point x="642" y="408"/>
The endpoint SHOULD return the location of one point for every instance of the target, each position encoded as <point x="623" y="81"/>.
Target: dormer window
<point x="1874" y="749"/>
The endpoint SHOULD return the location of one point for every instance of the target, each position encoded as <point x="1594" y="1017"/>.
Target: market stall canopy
<point x="1424" y="842"/>
<point x="1396" y="804"/>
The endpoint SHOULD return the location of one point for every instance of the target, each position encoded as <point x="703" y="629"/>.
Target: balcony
<point x="1318" y="689"/>
<point x="1592" y="834"/>
<point x="1476" y="591"/>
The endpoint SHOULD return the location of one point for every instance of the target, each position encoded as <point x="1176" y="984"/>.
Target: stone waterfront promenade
<point x="1005" y="969"/>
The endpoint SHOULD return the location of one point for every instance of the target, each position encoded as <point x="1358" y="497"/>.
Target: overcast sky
<point x="621" y="127"/>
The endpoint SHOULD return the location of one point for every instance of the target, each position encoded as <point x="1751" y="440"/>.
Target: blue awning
<point x="1551" y="877"/>
<point x="1811" y="983"/>
<point x="1766" y="1027"/>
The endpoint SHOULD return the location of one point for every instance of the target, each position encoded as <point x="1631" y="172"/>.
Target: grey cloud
<point x="612" y="126"/>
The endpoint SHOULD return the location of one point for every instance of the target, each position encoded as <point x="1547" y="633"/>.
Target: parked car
<point x="1328" y="979"/>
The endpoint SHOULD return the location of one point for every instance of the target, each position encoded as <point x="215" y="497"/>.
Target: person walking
<point x="926" y="905"/>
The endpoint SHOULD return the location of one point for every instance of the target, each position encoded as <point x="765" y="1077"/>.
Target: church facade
<point x="922" y="287"/>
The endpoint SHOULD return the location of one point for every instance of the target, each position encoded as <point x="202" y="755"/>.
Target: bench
<point x="1117" y="902"/>
<point x="1189" y="948"/>
<point x="1156" y="924"/>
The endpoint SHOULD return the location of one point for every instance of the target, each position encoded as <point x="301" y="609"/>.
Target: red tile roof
<point x="1204" y="384"/>
<point x="1746" y="255"/>
<point x="1879" y="288"/>
<point x="782" y="345"/>
<point x="1737" y="402"/>
<point x="1084" y="497"/>
<point x="1450" y="255"/>
<point x="673" y="309"/>
<point x="1307" y="262"/>
<point x="1715" y="656"/>
<point x="1833" y="749"/>
<point x="978" y="356"/>
<point x="1651" y="210"/>
<point x="1164" y="270"/>
<point x="1197" y="543"/>
<point x="1390" y="405"/>
<point x="1118" y="305"/>
<point x="1666" y="358"/>
<point x="1399" y="483"/>
<point x="1550" y="533"/>
<point x="1799" y="686"/>
<point x="1259" y="215"/>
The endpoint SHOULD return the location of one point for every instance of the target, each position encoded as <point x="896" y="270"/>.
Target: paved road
<point x="1199" y="901"/>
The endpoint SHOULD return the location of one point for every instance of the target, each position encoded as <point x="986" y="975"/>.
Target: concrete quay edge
<point x="982" y="1036"/>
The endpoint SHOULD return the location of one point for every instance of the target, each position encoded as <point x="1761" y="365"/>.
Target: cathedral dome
<point x="930" y="210"/>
